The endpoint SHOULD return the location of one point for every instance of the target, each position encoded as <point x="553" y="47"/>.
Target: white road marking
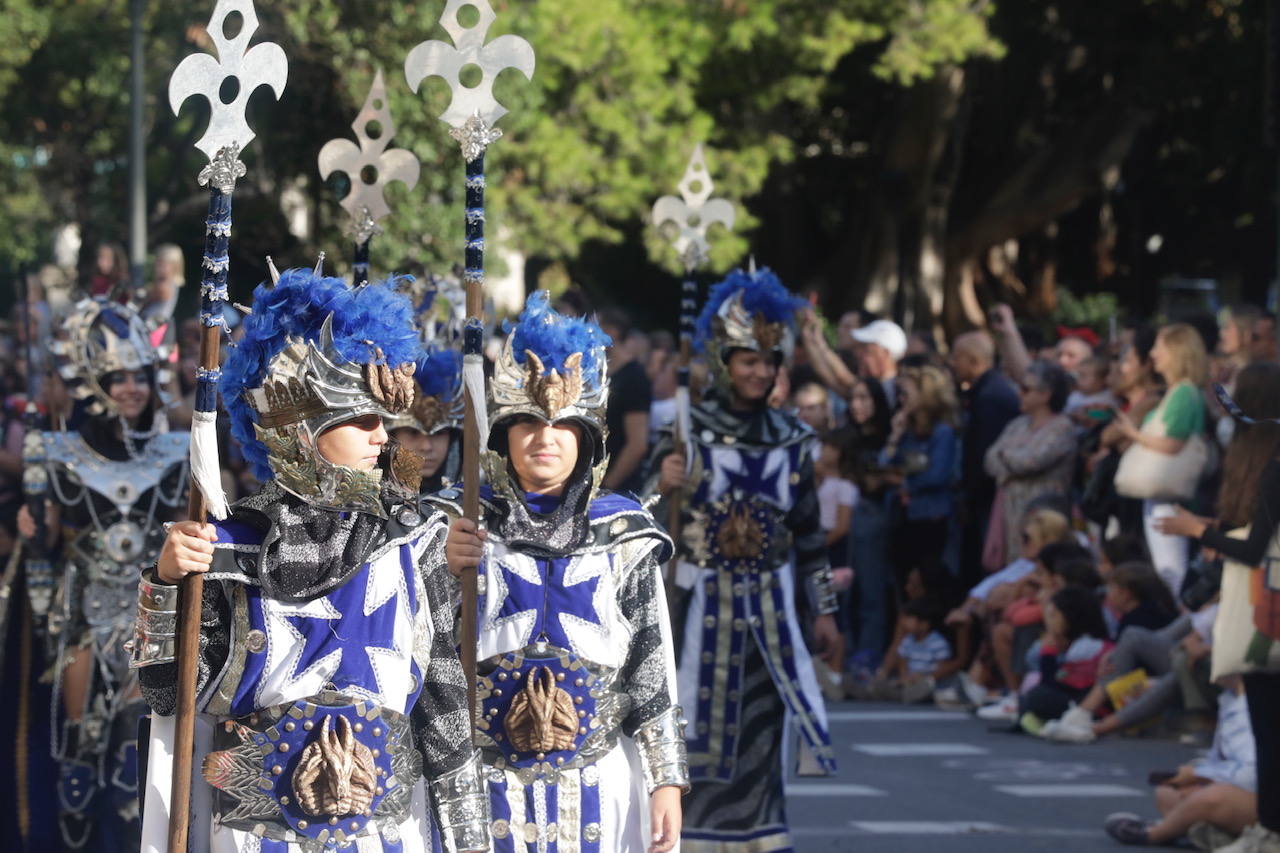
<point x="908" y="750"/>
<point x="926" y="827"/>
<point x="833" y="789"/>
<point x="1060" y="790"/>
<point x="895" y="716"/>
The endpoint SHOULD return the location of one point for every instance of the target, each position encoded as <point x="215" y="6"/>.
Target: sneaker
<point x="1256" y="839"/>
<point x="1206" y="836"/>
<point x="1127" y="828"/>
<point x="1004" y="710"/>
<point x="972" y="691"/>
<point x="1031" y="724"/>
<point x="1075" y="726"/>
<point x="949" y="698"/>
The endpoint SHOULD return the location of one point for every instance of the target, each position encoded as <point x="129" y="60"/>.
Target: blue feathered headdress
<point x="762" y="294"/>
<point x="438" y="373"/>
<point x="554" y="337"/>
<point x="296" y="307"/>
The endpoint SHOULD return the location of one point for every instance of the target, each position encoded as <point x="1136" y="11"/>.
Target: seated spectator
<point x="1211" y="800"/>
<point x="1069" y="656"/>
<point x="1148" y="629"/>
<point x="921" y="659"/>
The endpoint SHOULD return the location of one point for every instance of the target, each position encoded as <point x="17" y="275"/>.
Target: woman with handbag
<point x="1169" y="452"/>
<point x="1250" y="496"/>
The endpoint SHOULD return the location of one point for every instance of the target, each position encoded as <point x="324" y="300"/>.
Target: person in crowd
<point x="1179" y="356"/>
<point x="752" y="543"/>
<point x="1068" y="658"/>
<point x="1263" y="345"/>
<point x="113" y="482"/>
<point x="869" y="420"/>
<point x="1235" y="340"/>
<point x="837" y="496"/>
<point x="1251" y="492"/>
<point x="990" y="402"/>
<point x="352" y="666"/>
<point x="1035" y="455"/>
<point x="1092" y="400"/>
<point x="812" y="404"/>
<point x="1074" y="348"/>
<point x="882" y="344"/>
<point x="1136" y="386"/>
<point x="1119" y="549"/>
<point x="162" y="294"/>
<point x="630" y="398"/>
<point x="921" y="456"/>
<point x="918" y="663"/>
<point x="1211" y="800"/>
<point x="662" y="372"/>
<point x="110" y="276"/>
<point x="589" y="649"/>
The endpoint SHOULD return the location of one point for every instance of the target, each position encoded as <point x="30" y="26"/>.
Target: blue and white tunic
<point x="578" y="718"/>
<point x="293" y="656"/>
<point x="750" y="537"/>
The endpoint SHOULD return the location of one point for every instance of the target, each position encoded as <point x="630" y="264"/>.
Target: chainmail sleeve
<point x="648" y="674"/>
<point x="804" y="521"/>
<point x="157" y="668"/>
<point x="441" y="731"/>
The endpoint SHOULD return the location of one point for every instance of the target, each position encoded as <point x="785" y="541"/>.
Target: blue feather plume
<point x="763" y="293"/>
<point x="296" y="307"/>
<point x="438" y="373"/>
<point x="554" y="337"/>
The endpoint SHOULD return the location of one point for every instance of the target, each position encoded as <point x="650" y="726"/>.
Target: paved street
<point x="921" y="779"/>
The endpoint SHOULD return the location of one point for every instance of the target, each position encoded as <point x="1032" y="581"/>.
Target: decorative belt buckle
<point x="537" y="707"/>
<point x="327" y="768"/>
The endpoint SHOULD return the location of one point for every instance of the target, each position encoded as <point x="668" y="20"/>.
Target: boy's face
<point x="914" y="626"/>
<point x="1093" y="379"/>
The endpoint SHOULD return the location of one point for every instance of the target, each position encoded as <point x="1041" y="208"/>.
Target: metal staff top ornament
<point x="694" y="212"/>
<point x="369" y="165"/>
<point x="473" y="111"/>
<point x="200" y="74"/>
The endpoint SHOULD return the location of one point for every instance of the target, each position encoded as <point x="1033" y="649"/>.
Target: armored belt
<point x="543" y="710"/>
<point x="327" y="769"/>
<point x="738" y="533"/>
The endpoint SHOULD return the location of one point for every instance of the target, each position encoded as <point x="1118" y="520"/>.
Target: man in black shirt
<point x="991" y="402"/>
<point x="627" y="417"/>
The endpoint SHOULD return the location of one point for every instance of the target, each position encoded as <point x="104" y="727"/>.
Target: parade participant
<point x="750" y="535"/>
<point x="333" y="700"/>
<point x="111" y="483"/>
<point x="432" y="428"/>
<point x="577" y="674"/>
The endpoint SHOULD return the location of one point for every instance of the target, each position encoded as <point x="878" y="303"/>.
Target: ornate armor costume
<point x="750" y="540"/>
<point x="116" y="483"/>
<point x="576" y="699"/>
<point x="332" y="703"/>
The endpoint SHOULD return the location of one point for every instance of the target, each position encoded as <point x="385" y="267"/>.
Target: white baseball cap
<point x="885" y="333"/>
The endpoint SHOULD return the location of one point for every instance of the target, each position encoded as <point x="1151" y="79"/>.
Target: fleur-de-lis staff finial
<point x="236" y="72"/>
<point x="471" y="115"/>
<point x="370" y="166"/>
<point x="689" y="216"/>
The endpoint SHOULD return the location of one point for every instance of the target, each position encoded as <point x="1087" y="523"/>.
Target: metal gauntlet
<point x="822" y="593"/>
<point x="663" y="757"/>
<point x="462" y="807"/>
<point x="155" y="630"/>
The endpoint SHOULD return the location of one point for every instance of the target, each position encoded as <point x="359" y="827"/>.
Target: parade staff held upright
<point x="750" y="536"/>
<point x="333" y="701"/>
<point x="577" y="719"/>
